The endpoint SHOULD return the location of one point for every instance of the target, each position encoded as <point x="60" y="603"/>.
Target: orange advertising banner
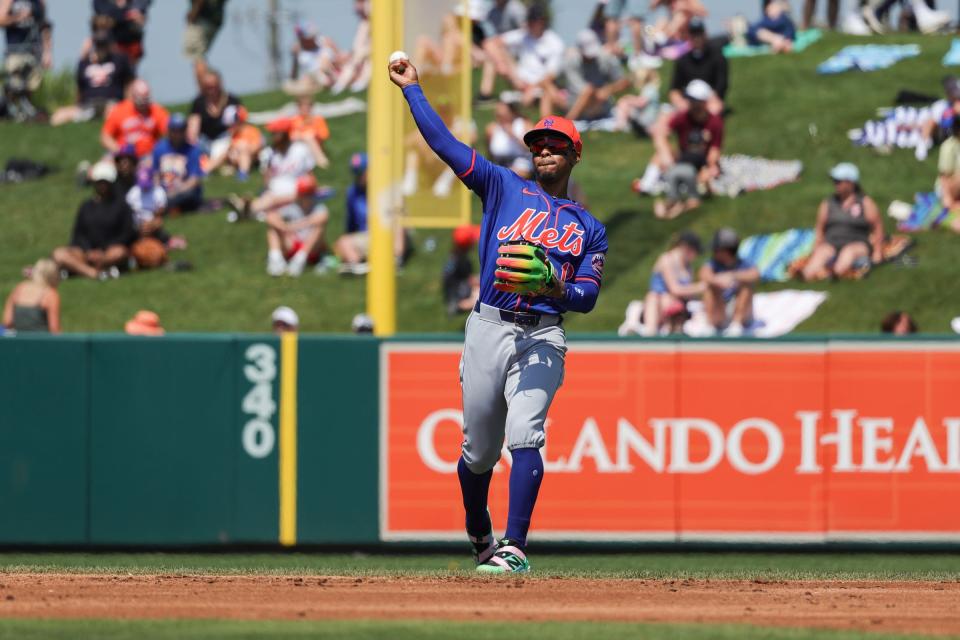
<point x="777" y="442"/>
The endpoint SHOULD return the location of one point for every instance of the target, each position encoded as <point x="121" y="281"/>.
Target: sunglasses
<point x="556" y="146"/>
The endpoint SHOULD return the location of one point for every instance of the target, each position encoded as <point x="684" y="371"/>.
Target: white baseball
<point x="398" y="55"/>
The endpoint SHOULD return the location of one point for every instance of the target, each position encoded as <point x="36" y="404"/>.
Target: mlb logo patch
<point x="597" y="264"/>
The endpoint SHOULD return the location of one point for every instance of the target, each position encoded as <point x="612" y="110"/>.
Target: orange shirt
<point x="126" y="125"/>
<point x="248" y="134"/>
<point x="315" y="125"/>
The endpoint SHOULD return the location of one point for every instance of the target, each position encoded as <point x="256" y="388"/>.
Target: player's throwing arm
<point x="541" y="255"/>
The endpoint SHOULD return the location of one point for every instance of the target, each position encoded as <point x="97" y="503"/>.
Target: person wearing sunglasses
<point x="541" y="255"/>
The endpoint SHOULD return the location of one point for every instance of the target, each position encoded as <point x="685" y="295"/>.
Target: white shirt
<point x="146" y="205"/>
<point x="536" y="57"/>
<point x="293" y="213"/>
<point x="282" y="169"/>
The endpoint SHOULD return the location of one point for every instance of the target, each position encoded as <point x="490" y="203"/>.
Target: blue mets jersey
<point x="517" y="209"/>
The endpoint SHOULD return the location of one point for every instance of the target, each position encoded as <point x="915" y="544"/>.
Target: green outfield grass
<point x="363" y="630"/>
<point x="719" y="565"/>
<point x="782" y="109"/>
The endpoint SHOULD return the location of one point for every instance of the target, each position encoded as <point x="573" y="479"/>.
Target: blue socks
<point x="526" y="474"/>
<point x="475" y="488"/>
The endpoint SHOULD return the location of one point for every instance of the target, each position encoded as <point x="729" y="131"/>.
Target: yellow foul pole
<point x="384" y="102"/>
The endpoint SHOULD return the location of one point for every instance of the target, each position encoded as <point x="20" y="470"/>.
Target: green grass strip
<point x="731" y="566"/>
<point x="369" y="630"/>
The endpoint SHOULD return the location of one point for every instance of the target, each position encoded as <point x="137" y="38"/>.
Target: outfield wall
<point x="184" y="440"/>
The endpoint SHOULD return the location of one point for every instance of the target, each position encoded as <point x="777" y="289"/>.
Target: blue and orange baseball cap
<point x="555" y="124"/>
<point x="358" y="163"/>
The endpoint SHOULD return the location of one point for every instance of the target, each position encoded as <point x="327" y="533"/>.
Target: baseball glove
<point x="524" y="269"/>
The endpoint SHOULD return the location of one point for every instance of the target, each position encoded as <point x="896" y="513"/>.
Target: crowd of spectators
<point x="154" y="163"/>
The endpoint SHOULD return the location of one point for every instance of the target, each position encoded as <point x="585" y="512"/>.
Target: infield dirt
<point x="916" y="607"/>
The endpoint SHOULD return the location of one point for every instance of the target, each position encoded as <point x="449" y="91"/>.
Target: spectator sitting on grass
<point x="237" y="149"/>
<point x="207" y="120"/>
<point x="355" y="64"/>
<point x="148" y="201"/>
<point x="102" y="232"/>
<point x="177" y="163"/>
<point x="948" y="168"/>
<point x="502" y="17"/>
<point x="125" y="160"/>
<point x="705" y="61"/>
<point x="609" y="19"/>
<point x="593" y="77"/>
<point x="849" y="231"/>
<point x="676" y="26"/>
<point x="530" y="59"/>
<point x="29" y="52"/>
<point x="505" y="134"/>
<point x="775" y="28"/>
<point x="314" y="61"/>
<point x="296" y="233"/>
<point x="639" y="111"/>
<point x="899" y="323"/>
<point x="672" y="286"/>
<point x="311" y="130"/>
<point x="129" y="21"/>
<point x="351" y="248"/>
<point x="282" y="162"/>
<point x="102" y="77"/>
<point x="136" y="121"/>
<point x="688" y="169"/>
<point x="34" y="304"/>
<point x="729" y="281"/>
<point x="461" y="287"/>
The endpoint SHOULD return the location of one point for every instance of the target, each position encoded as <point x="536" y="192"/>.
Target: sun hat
<point x="845" y="171"/>
<point x="144" y="323"/>
<point x="698" y="90"/>
<point x="286" y="315"/>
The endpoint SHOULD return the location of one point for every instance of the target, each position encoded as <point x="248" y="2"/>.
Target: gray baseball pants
<point x="509" y="375"/>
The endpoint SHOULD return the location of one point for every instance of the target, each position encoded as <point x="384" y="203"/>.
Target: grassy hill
<point x="781" y="109"/>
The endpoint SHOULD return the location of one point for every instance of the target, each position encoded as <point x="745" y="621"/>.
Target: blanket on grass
<point x="775" y="313"/>
<point x="927" y="213"/>
<point x="740" y="173"/>
<point x="867" y="57"/>
<point x="803" y="40"/>
<point x="781" y="256"/>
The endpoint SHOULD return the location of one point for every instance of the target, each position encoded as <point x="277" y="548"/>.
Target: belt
<point x="519" y="318"/>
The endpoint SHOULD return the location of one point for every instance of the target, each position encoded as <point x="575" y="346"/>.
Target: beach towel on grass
<point x="740" y="173"/>
<point x="328" y="110"/>
<point x="772" y="253"/>
<point x="868" y="57"/>
<point x="901" y="127"/>
<point x="775" y="313"/>
<point x="803" y="40"/>
<point x="927" y="213"/>
<point x="778" y="256"/>
<point x="952" y="57"/>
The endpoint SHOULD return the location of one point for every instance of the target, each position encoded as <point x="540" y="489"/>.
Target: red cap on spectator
<point x="555" y="124"/>
<point x="306" y="185"/>
<point x="281" y="124"/>
<point x="466" y="235"/>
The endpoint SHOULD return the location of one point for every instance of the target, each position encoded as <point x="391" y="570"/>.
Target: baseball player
<point x="541" y="254"/>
